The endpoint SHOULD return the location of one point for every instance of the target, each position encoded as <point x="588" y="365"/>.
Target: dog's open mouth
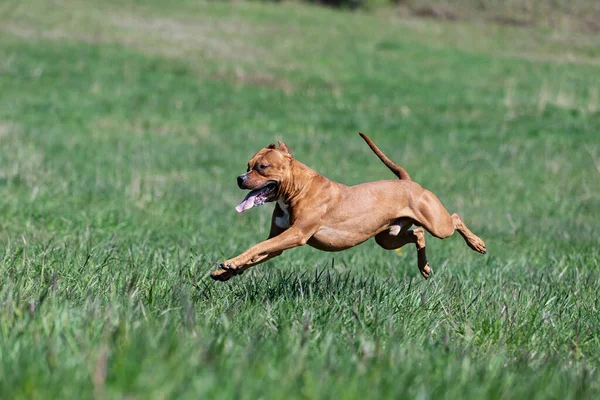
<point x="257" y="197"/>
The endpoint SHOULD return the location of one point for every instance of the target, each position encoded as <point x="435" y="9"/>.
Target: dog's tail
<point x="397" y="170"/>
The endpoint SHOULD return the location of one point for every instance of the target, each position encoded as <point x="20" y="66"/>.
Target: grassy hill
<point x="123" y="127"/>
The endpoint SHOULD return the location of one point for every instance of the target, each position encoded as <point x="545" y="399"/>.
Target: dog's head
<point x="265" y="176"/>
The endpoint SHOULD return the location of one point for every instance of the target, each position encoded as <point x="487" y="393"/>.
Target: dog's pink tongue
<point x="247" y="203"/>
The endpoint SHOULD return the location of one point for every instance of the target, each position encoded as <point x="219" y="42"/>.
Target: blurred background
<point x="123" y="125"/>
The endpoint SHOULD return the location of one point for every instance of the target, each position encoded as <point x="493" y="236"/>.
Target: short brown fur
<point x="331" y="216"/>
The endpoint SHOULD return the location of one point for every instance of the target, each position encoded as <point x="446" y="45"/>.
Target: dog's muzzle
<point x="241" y="180"/>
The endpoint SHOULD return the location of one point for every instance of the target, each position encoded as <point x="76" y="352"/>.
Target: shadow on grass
<point x="324" y="283"/>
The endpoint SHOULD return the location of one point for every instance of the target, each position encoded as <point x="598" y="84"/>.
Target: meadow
<point x="123" y="126"/>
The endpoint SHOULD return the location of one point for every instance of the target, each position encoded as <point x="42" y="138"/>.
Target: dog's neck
<point x="294" y="187"/>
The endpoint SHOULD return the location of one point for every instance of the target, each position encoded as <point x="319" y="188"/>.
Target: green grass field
<point x="123" y="127"/>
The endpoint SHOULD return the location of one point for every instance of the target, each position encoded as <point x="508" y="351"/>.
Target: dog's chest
<point x="284" y="220"/>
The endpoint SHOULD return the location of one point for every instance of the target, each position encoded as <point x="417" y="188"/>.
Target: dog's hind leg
<point x="390" y="241"/>
<point x="472" y="240"/>
<point x="432" y="215"/>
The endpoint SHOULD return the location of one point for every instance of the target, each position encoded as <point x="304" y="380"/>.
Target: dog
<point x="330" y="216"/>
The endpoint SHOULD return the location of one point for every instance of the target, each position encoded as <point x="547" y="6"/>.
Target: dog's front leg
<point x="261" y="252"/>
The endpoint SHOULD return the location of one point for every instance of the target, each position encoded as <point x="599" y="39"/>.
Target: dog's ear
<point x="284" y="148"/>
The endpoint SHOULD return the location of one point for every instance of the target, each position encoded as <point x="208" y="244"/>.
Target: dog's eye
<point x="263" y="166"/>
<point x="248" y="168"/>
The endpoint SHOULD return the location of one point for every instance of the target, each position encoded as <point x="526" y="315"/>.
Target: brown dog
<point x="331" y="216"/>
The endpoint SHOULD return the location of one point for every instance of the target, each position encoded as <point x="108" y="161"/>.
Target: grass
<point x="124" y="125"/>
<point x="562" y="15"/>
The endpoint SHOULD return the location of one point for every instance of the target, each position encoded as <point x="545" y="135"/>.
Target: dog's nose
<point x="240" y="180"/>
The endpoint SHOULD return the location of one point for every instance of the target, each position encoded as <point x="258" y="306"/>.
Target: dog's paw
<point x="478" y="246"/>
<point x="426" y="271"/>
<point x="226" y="271"/>
<point x="228" y="265"/>
<point x="221" y="275"/>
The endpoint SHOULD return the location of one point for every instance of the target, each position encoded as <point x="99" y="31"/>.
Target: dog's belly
<point x="331" y="239"/>
<point x="362" y="212"/>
